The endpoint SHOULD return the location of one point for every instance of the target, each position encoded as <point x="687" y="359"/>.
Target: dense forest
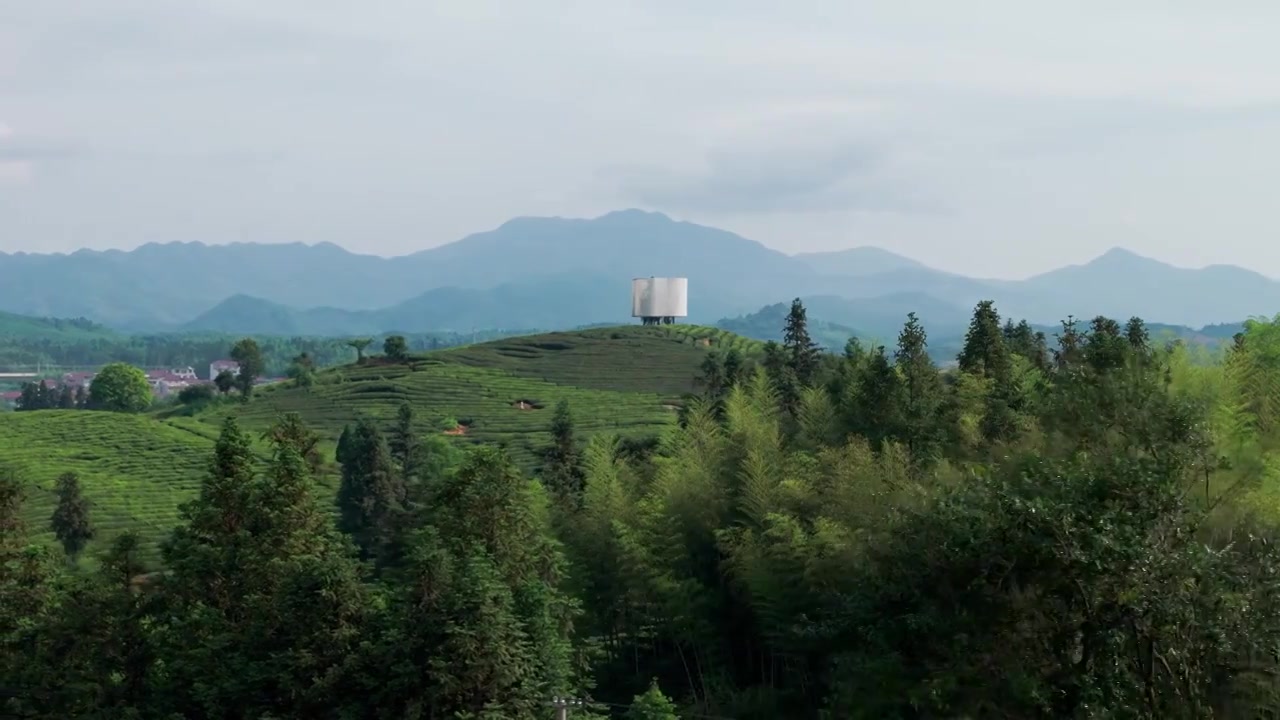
<point x="1080" y="526"/>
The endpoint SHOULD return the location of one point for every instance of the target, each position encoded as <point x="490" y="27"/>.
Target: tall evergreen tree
<point x="1022" y="340"/>
<point x="802" y="352"/>
<point x="371" y="494"/>
<point x="877" y="403"/>
<point x="266" y="604"/>
<point x="561" y="468"/>
<point x="405" y="446"/>
<point x="984" y="351"/>
<point x="70" y="521"/>
<point x="921" y="391"/>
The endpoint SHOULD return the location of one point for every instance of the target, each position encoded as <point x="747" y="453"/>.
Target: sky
<point x="1000" y="139"/>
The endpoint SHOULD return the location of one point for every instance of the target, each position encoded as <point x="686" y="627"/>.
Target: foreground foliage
<point x="1081" y="528"/>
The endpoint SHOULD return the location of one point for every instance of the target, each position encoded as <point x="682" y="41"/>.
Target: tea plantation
<point x="137" y="469"/>
<point x="627" y="380"/>
<point x="134" y="469"/>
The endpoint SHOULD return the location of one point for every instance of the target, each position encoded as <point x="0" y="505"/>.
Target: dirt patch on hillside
<point x="704" y="342"/>
<point x="457" y="430"/>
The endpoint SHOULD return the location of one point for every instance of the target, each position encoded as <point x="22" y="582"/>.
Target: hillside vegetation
<point x="1077" y="527"/>
<point x="136" y="471"/>
<point x="627" y="380"/>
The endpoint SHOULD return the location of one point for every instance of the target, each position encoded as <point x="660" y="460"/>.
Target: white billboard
<point x="657" y="297"/>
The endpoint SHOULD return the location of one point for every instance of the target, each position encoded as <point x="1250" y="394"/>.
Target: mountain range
<point x="549" y="273"/>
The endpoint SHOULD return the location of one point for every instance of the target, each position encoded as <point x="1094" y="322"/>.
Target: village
<point x="165" y="382"/>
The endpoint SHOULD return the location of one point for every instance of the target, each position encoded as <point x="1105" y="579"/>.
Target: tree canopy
<point x="119" y="387"/>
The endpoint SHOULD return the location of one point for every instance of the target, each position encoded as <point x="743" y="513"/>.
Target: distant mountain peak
<point x="1119" y="255"/>
<point x="635" y="214"/>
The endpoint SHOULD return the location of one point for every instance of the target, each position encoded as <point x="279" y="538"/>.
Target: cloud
<point x="849" y="176"/>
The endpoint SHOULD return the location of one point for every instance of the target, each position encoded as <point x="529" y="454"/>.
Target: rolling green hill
<point x="137" y="469"/>
<point x="624" y="380"/>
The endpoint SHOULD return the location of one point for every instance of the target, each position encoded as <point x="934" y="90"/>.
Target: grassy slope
<point x="138" y="469"/>
<point x="135" y="470"/>
<point x="625" y="380"/>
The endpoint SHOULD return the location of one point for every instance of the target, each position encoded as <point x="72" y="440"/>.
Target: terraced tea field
<point x="662" y="359"/>
<point x="135" y="470"/>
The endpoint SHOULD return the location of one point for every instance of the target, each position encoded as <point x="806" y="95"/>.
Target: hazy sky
<point x="998" y="138"/>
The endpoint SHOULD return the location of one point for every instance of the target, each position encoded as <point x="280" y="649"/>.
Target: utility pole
<point x="562" y="706"/>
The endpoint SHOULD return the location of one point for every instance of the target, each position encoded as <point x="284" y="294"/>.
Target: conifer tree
<point x="70" y="521"/>
<point x="561" y="467"/>
<point x="801" y="351"/>
<point x="371" y="494"/>
<point x="984" y="351"/>
<point x="921" y="391"/>
<point x="877" y="407"/>
<point x="406" y="448"/>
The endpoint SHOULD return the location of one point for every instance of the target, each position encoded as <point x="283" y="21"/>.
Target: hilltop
<point x="555" y="273"/>
<point x="627" y="380"/>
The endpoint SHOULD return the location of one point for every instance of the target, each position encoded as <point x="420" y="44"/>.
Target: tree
<point x="802" y="352"/>
<point x="395" y="348"/>
<point x="371" y="493"/>
<point x="359" y="344"/>
<point x="290" y="431"/>
<point x="782" y="376"/>
<point x="404" y="445"/>
<point x="196" y="394"/>
<point x="249" y="356"/>
<point x="921" y="391"/>
<point x="225" y="381"/>
<point x="70" y="519"/>
<point x="984" y="350"/>
<point x="652" y="705"/>
<point x="263" y="604"/>
<point x="302" y="371"/>
<point x="561" y="473"/>
<point x="119" y="387"/>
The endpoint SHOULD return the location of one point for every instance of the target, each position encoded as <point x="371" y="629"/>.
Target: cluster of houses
<point x="164" y="381"/>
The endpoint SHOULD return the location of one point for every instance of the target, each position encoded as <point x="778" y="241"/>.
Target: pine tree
<point x="1022" y="340"/>
<point x="984" y="350"/>
<point x="802" y="352"/>
<point x="260" y="578"/>
<point x="561" y="470"/>
<point x="878" y="403"/>
<point x="921" y="391"/>
<point x="405" y="447"/>
<point x="371" y="494"/>
<point x="1070" y="340"/>
<point x="70" y="521"/>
